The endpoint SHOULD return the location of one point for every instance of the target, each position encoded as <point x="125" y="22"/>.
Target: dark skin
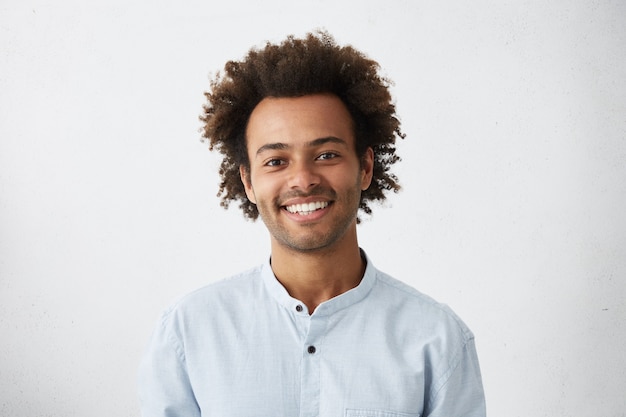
<point x="302" y="153"/>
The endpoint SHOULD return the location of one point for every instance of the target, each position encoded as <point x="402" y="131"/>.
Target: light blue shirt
<point x="243" y="347"/>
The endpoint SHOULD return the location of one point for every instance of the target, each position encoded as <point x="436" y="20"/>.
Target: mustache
<point x="318" y="191"/>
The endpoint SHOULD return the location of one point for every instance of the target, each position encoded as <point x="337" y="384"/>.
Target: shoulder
<point x="420" y="308"/>
<point x="227" y="293"/>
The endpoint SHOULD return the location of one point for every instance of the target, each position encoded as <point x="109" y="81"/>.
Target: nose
<point x="302" y="175"/>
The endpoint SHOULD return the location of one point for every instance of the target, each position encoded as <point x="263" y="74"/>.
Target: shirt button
<point x="299" y="308"/>
<point x="311" y="349"/>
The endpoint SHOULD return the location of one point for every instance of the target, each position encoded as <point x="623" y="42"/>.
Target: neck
<point x="317" y="276"/>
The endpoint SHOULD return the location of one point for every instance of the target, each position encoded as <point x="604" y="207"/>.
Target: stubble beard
<point x="304" y="238"/>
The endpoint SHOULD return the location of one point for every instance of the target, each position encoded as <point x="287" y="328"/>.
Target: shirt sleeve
<point x="164" y="386"/>
<point x="460" y="392"/>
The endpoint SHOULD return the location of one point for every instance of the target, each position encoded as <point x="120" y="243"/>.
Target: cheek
<point x="263" y="188"/>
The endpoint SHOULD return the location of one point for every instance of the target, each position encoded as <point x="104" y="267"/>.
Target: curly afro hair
<point x="295" y="68"/>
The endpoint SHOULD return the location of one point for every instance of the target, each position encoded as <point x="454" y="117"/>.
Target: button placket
<point x="310" y="372"/>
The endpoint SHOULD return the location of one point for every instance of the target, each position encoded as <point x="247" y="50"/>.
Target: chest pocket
<point x="377" y="413"/>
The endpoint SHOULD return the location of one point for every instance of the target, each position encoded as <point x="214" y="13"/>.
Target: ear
<point x="244" y="174"/>
<point x="367" y="168"/>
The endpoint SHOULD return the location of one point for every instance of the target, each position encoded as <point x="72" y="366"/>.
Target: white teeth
<point x="304" y="209"/>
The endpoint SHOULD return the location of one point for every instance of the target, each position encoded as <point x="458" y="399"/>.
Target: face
<point x="305" y="176"/>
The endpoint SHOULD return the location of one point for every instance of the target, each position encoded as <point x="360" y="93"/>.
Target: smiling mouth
<point x="307" y="208"/>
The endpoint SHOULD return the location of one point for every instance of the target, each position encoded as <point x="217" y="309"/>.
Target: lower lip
<point x="314" y="216"/>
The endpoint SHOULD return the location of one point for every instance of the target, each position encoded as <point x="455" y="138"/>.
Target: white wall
<point x="514" y="179"/>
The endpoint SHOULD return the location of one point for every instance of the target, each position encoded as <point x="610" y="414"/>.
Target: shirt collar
<point x="328" y="307"/>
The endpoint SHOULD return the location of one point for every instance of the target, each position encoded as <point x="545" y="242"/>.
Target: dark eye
<point x="274" y="162"/>
<point x="327" y="155"/>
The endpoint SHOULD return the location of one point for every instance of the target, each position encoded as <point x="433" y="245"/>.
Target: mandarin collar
<point x="328" y="307"/>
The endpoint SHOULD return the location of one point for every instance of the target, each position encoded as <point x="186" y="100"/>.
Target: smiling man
<point x="305" y="178"/>
<point x="307" y="132"/>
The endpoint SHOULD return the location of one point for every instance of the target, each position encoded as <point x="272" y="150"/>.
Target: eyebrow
<point x="277" y="146"/>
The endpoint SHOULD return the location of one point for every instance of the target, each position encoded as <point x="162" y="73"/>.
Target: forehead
<point x="299" y="119"/>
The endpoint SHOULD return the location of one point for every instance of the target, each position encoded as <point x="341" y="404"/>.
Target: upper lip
<point x="304" y="200"/>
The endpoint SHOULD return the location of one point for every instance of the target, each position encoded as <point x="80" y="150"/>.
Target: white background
<point x="512" y="211"/>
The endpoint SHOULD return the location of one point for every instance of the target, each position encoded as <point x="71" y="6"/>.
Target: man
<point x="307" y="132"/>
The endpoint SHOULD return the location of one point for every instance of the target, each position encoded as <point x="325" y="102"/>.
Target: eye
<point x="274" y="162"/>
<point x="327" y="155"/>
